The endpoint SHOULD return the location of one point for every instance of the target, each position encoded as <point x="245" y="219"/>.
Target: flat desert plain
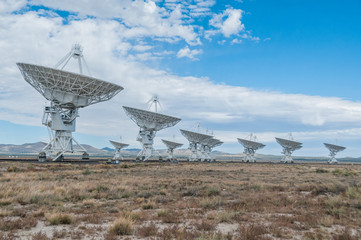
<point x="179" y="201"/>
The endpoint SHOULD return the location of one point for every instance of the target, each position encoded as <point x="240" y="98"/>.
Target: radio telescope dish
<point x="171" y="146"/>
<point x="195" y="139"/>
<point x="67" y="92"/>
<point x="149" y="123"/>
<point x="289" y="146"/>
<point x="66" y="89"/>
<point x="250" y="147"/>
<point x="206" y="148"/>
<point x="334" y="149"/>
<point x="118" y="146"/>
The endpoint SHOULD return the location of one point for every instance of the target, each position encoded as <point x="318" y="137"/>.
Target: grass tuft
<point x="59" y="218"/>
<point x="321" y="170"/>
<point x="122" y="226"/>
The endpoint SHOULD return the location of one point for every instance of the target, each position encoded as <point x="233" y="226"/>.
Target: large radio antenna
<point x="67" y="92"/>
<point x="171" y="145"/>
<point x="195" y="141"/>
<point x="250" y="147"/>
<point x="149" y="123"/>
<point x="117" y="152"/>
<point x="334" y="149"/>
<point x="289" y="146"/>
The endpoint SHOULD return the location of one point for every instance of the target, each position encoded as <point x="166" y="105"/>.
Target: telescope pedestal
<point x="203" y="154"/>
<point x="333" y="159"/>
<point x="194" y="152"/>
<point x="62" y="121"/>
<point x="249" y="155"/>
<point x="146" y="139"/>
<point x="117" y="155"/>
<point x="287" y="156"/>
<point x="170" y="152"/>
<point x="207" y="153"/>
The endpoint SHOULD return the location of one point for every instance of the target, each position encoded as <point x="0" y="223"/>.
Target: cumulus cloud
<point x="139" y="18"/>
<point x="199" y="8"/>
<point x="186" y="52"/>
<point x="228" y="23"/>
<point x="236" y="41"/>
<point x="7" y="6"/>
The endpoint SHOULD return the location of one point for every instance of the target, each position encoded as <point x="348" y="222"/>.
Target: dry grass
<point x="122" y="226"/>
<point x="59" y="218"/>
<point x="183" y="201"/>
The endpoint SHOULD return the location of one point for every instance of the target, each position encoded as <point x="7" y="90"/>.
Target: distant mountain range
<point x="35" y="148"/>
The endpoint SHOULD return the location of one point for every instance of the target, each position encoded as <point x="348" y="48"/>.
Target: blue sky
<point x="310" y="47"/>
<point x="235" y="67"/>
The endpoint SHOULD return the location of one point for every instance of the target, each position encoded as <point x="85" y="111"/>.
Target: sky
<point x="235" y="67"/>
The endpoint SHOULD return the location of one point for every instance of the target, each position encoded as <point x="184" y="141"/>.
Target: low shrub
<point x="213" y="191"/>
<point x="321" y="170"/>
<point x="59" y="218"/>
<point x="148" y="206"/>
<point x="344" y="172"/>
<point x="122" y="226"/>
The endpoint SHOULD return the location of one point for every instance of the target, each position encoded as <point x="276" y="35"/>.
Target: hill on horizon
<point x="35" y="148"/>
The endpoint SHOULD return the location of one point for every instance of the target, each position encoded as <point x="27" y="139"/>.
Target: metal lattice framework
<point x="289" y="146"/>
<point x="118" y="146"/>
<point x="334" y="149"/>
<point x="67" y="89"/>
<point x="195" y="141"/>
<point x="250" y="147"/>
<point x="67" y="92"/>
<point x="170" y="148"/>
<point x="149" y="123"/>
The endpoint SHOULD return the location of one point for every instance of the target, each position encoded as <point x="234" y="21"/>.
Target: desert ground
<point x="179" y="201"/>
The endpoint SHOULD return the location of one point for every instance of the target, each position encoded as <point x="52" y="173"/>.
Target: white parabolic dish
<point x="194" y="136"/>
<point x="293" y="145"/>
<point x="150" y="120"/>
<point x="171" y="144"/>
<point x="334" y="148"/>
<point x="66" y="88"/>
<point x="118" y="144"/>
<point x="250" y="144"/>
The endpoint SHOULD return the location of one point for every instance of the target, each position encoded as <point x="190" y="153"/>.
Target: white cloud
<point x="186" y="52"/>
<point x="269" y="137"/>
<point x="7" y="6"/>
<point x="248" y="35"/>
<point x="236" y="41"/>
<point x="198" y="8"/>
<point x="228" y="23"/>
<point x="140" y="18"/>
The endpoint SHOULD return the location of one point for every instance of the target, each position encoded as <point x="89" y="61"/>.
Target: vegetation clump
<point x="321" y="170"/>
<point x="59" y="218"/>
<point x="344" y="172"/>
<point x="122" y="226"/>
